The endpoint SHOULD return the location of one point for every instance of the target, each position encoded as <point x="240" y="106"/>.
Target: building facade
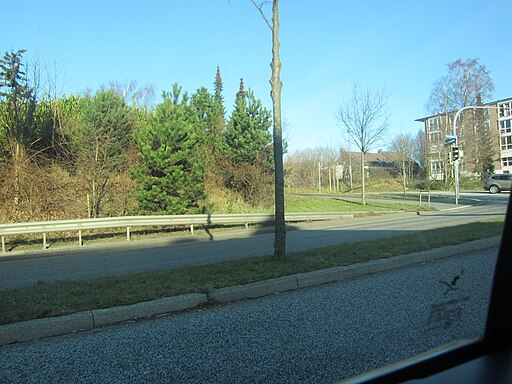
<point x="480" y="133"/>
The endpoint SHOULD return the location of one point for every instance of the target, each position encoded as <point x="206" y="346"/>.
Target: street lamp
<point x="454" y="133"/>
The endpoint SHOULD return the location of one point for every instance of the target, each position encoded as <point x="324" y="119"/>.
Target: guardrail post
<point x="246" y="226"/>
<point x="44" y="240"/>
<point x="3" y="244"/>
<point x="128" y="233"/>
<point x="192" y="229"/>
<point x="80" y="238"/>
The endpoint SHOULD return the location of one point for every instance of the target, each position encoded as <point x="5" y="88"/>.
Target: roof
<point x="379" y="157"/>
<point x="423" y="119"/>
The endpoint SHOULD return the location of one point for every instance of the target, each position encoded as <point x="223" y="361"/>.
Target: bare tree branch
<point x="260" y="9"/>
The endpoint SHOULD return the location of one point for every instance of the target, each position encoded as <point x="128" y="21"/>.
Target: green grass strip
<point x="61" y="298"/>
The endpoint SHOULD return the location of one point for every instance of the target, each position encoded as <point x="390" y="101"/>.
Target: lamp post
<point x="454" y="133"/>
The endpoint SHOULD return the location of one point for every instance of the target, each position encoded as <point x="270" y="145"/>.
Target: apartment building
<point x="492" y="124"/>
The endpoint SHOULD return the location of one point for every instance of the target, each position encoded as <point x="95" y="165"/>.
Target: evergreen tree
<point x="219" y="99"/>
<point x="241" y="90"/>
<point x="210" y="120"/>
<point x="208" y="113"/>
<point x="170" y="175"/>
<point x="18" y="102"/>
<point x="247" y="136"/>
<point x="248" y="149"/>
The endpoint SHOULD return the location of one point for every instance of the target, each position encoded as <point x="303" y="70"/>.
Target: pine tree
<point x="210" y="127"/>
<point x="18" y="101"/>
<point x="170" y="175"/>
<point x="241" y="90"/>
<point x="219" y="99"/>
<point x="17" y="109"/>
<point x="248" y="148"/>
<point x="247" y="136"/>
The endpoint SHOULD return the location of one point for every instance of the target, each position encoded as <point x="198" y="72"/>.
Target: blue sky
<point x="403" y="46"/>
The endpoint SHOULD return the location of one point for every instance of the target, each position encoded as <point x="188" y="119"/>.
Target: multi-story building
<point x="492" y="124"/>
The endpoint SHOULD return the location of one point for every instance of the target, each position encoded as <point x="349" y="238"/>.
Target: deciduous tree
<point x="467" y="83"/>
<point x="100" y="141"/>
<point x="464" y="83"/>
<point x="276" y="87"/>
<point x="403" y="145"/>
<point x="365" y="118"/>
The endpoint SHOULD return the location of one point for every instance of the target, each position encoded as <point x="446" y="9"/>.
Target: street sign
<point x="449" y="140"/>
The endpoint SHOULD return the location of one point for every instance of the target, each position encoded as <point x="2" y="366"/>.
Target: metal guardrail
<point x="129" y="222"/>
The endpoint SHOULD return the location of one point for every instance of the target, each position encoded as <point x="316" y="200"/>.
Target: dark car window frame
<point x="497" y="336"/>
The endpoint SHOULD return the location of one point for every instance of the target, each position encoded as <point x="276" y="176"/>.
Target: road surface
<point x="314" y="335"/>
<point x="18" y="273"/>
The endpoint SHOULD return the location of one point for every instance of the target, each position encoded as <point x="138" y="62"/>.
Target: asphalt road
<point x="17" y="273"/>
<point x="315" y="335"/>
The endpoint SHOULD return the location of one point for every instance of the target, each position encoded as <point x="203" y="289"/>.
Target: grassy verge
<point x="44" y="299"/>
<point x="294" y="203"/>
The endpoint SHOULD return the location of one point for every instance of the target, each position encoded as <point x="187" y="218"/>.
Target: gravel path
<point x="316" y="335"/>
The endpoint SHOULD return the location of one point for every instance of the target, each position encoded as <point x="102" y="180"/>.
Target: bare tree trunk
<point x="350" y="169"/>
<point x="89" y="208"/>
<point x="363" y="177"/>
<point x="404" y="177"/>
<point x="17" y="167"/>
<point x="276" y="84"/>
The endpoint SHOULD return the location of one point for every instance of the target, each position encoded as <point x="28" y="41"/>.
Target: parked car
<point x="497" y="183"/>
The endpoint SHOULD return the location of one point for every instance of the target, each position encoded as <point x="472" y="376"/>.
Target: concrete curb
<point x="40" y="328"/>
<point x="87" y="320"/>
<point x="108" y="316"/>
<point x="253" y="290"/>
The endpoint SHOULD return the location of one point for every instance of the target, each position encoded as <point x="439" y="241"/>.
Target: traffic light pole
<point x="457" y="183"/>
<point x="456" y="162"/>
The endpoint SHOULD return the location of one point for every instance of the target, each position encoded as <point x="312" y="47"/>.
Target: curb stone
<point x="87" y="320"/>
<point x="253" y="290"/>
<point x="108" y="316"/>
<point x="46" y="327"/>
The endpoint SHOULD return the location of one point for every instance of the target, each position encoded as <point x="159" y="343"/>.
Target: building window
<point x="434" y="137"/>
<point x="506" y="143"/>
<point x="434" y="124"/>
<point x="506" y="161"/>
<point x="505" y="126"/>
<point x="505" y="109"/>
<point x="437" y="167"/>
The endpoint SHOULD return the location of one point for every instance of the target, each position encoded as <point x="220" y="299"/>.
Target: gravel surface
<point x="315" y="335"/>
